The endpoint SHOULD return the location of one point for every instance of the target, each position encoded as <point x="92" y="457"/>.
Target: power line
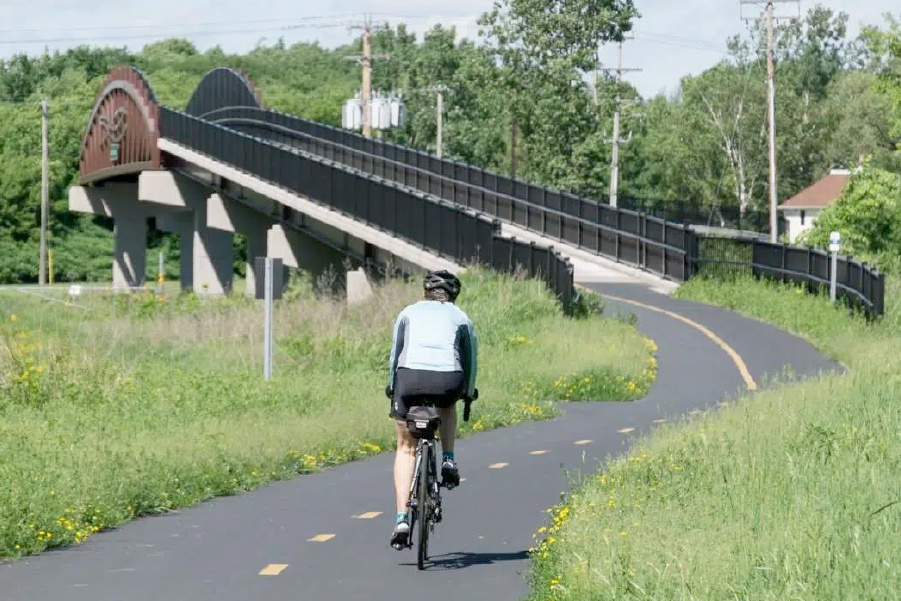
<point x="718" y="49"/>
<point x="206" y="24"/>
<point x="163" y="35"/>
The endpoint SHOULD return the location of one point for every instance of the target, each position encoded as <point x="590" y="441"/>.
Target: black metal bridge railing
<point x="438" y="226"/>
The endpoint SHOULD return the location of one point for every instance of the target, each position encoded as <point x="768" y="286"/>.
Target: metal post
<point x="161" y="274"/>
<point x="267" y="321"/>
<point x="834" y="245"/>
<point x="833" y="276"/>
<point x="45" y="192"/>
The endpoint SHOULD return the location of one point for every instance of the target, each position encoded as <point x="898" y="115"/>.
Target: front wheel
<point x="425" y="507"/>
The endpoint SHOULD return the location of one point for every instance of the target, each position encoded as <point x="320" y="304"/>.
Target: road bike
<point x="425" y="490"/>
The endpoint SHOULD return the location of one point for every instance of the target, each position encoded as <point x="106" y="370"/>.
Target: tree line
<point x="533" y="75"/>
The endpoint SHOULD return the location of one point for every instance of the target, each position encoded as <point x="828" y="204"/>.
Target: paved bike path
<point x="217" y="550"/>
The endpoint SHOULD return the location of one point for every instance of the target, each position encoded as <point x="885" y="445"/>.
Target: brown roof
<point x="820" y="194"/>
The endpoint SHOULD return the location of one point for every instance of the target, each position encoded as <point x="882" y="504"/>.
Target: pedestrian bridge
<point x="322" y="198"/>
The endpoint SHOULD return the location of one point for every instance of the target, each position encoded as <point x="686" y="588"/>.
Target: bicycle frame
<point x="428" y="508"/>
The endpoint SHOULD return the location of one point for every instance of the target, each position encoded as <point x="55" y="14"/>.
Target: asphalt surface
<point x="217" y="550"/>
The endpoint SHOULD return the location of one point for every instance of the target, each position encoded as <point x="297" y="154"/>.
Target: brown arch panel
<point x="122" y="133"/>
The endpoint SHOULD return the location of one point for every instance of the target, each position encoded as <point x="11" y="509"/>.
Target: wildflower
<point x="13" y="318"/>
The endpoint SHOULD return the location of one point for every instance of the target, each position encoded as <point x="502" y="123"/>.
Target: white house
<point x="801" y="210"/>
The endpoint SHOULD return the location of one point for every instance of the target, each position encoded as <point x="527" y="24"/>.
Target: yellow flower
<point x="13" y="318"/>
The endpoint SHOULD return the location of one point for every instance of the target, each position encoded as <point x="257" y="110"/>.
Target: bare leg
<point x="448" y="427"/>
<point x="404" y="462"/>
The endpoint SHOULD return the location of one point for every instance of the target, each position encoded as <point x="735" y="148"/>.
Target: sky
<point x="673" y="38"/>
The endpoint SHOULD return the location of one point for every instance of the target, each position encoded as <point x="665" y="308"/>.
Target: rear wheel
<point x="425" y="506"/>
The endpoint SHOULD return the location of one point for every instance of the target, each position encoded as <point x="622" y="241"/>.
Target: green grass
<point x="791" y="494"/>
<point x="131" y="404"/>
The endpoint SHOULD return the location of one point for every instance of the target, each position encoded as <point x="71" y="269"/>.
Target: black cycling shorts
<point x="414" y="387"/>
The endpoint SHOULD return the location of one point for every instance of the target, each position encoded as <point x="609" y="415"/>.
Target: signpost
<point x="269" y="289"/>
<point x="835" y="239"/>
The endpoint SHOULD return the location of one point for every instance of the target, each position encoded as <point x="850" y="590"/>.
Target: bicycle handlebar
<point x="467" y="402"/>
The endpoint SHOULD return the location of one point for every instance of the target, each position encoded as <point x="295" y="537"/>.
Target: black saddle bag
<point x="423" y="421"/>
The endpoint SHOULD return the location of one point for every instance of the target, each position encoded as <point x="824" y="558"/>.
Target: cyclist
<point x="433" y="357"/>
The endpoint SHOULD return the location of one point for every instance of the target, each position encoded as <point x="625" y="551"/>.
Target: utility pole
<point x="771" y="119"/>
<point x="439" y="107"/>
<point x="614" y="159"/>
<point x="514" y="125"/>
<point x="365" y="60"/>
<point x="771" y="109"/>
<point x="439" y="134"/>
<point x="45" y="191"/>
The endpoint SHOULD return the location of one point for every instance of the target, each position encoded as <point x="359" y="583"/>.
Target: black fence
<point x="857" y="285"/>
<point x="626" y="236"/>
<point x="441" y="227"/>
<point x="753" y="220"/>
<point x="668" y="249"/>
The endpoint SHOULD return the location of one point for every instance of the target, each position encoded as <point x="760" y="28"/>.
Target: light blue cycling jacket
<point x="435" y="336"/>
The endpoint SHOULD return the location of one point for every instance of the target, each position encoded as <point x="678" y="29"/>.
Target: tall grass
<point x="137" y="404"/>
<point x="791" y="494"/>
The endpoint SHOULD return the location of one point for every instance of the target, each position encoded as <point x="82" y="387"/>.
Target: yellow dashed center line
<point x="659" y="421"/>
<point x="538" y="452"/>
<point x="736" y="358"/>
<point x="625" y="430"/>
<point x="583" y="442"/>
<point x="368" y="515"/>
<point x="273" y="569"/>
<point x="321" y="538"/>
<point x="497" y="466"/>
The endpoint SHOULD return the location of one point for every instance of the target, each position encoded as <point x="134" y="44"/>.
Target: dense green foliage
<point x="868" y="216"/>
<point x="838" y="99"/>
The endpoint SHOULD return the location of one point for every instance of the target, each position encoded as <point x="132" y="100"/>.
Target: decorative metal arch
<point x="220" y="89"/>
<point x="123" y="130"/>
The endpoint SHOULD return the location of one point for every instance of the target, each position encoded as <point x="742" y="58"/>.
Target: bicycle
<point x="425" y="490"/>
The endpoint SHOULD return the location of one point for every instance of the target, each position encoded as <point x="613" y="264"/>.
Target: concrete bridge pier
<point x="325" y="264"/>
<point x="119" y="201"/>
<point x="129" y="248"/>
<point x="182" y="225"/>
<point x="210" y="251"/>
<point x="213" y="255"/>
<point x="230" y="216"/>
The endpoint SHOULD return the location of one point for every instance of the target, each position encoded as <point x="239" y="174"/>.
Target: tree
<point x="885" y="46"/>
<point x="861" y="123"/>
<point x="544" y="31"/>
<point x="868" y="216"/>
